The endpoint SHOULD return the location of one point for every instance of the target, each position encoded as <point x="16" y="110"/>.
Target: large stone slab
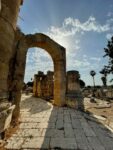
<point x="64" y="143"/>
<point x="36" y="143"/>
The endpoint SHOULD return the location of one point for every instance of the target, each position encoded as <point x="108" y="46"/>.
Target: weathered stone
<point x="5" y="117"/>
<point x="59" y="124"/>
<point x="95" y="143"/>
<point x="69" y="132"/>
<point x="28" y="132"/>
<point x="53" y="133"/>
<point x="35" y="135"/>
<point x="65" y="143"/>
<point x="37" y="143"/>
<point x="15" y="143"/>
<point x="74" y="97"/>
<point x="8" y="19"/>
<point x="43" y="85"/>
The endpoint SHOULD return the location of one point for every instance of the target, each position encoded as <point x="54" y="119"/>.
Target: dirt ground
<point x="100" y="108"/>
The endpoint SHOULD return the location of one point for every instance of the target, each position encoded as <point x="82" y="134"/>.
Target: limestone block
<point x="95" y="143"/>
<point x="59" y="124"/>
<point x="5" y="118"/>
<point x="14" y="143"/>
<point x="53" y="133"/>
<point x="28" y="125"/>
<point x="65" y="143"/>
<point x="10" y="11"/>
<point x="4" y="69"/>
<point x="28" y="133"/>
<point x="3" y="87"/>
<point x="37" y="143"/>
<point x="69" y="132"/>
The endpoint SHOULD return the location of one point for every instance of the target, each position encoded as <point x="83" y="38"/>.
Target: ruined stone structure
<point x="13" y="49"/>
<point x="8" y="17"/>
<point x="73" y="95"/>
<point x="57" y="52"/>
<point x="73" y="84"/>
<point x="43" y="85"/>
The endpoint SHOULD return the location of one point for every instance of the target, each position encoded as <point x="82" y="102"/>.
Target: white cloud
<point x="71" y="30"/>
<point x="84" y="56"/>
<point x="90" y="25"/>
<point x="110" y="14"/>
<point x="109" y="35"/>
<point x="77" y="64"/>
<point x="68" y="35"/>
<point x="37" y="60"/>
<point x="95" y="59"/>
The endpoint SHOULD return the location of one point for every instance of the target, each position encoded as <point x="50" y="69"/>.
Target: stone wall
<point x="8" y="19"/>
<point x="8" y="26"/>
<point x="43" y="85"/>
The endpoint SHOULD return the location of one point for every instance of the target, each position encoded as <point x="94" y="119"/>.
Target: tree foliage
<point x="82" y="83"/>
<point x="109" y="53"/>
<point x="92" y="73"/>
<point x="104" y="73"/>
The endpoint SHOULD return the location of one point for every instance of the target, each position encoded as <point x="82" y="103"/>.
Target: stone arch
<point x="58" y="56"/>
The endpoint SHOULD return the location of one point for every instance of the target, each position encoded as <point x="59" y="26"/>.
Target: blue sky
<point x="81" y="26"/>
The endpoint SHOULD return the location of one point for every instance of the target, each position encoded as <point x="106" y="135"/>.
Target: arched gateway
<point x="58" y="55"/>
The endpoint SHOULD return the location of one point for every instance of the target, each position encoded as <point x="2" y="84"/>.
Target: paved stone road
<point x="46" y="127"/>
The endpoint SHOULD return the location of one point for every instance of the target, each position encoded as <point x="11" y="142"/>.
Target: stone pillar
<point x="43" y="85"/>
<point x="73" y="84"/>
<point x="74" y="97"/>
<point x="8" y="18"/>
<point x="38" y="84"/>
<point x="50" y="80"/>
<point x="59" y="82"/>
<point x="18" y="77"/>
<point x="35" y="85"/>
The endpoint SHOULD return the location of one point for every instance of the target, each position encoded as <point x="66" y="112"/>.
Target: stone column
<point x="74" y="97"/>
<point x="73" y="84"/>
<point x="8" y="18"/>
<point x="35" y="85"/>
<point x="17" y="83"/>
<point x="38" y="84"/>
<point x="50" y="80"/>
<point x="59" y="82"/>
<point x="39" y="92"/>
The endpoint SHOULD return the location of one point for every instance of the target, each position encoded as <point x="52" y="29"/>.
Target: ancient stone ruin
<point x="43" y="87"/>
<point x="13" y="50"/>
<point x="73" y="94"/>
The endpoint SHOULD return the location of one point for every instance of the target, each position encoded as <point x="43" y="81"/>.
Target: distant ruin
<point x="43" y="87"/>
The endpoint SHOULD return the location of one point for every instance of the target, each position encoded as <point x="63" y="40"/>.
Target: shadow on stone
<point x="51" y="127"/>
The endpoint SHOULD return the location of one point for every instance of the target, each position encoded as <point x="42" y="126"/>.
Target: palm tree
<point x="104" y="73"/>
<point x="104" y="80"/>
<point x="93" y="73"/>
